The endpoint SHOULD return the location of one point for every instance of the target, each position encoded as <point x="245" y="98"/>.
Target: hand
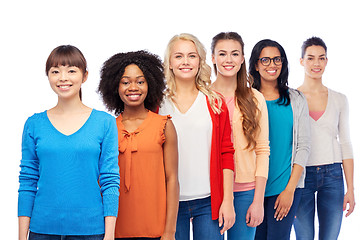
<point x="168" y="236"/>
<point x="226" y="215"/>
<point x="283" y="204"/>
<point x="255" y="214"/>
<point x="349" y="199"/>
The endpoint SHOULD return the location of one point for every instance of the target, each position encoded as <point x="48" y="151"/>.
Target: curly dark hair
<point x="114" y="68"/>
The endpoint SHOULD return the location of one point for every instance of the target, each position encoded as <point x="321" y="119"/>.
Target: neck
<point x="187" y="87"/>
<point x="312" y="84"/>
<point x="269" y="87"/>
<point x="134" y="112"/>
<point x="225" y="85"/>
<point x="69" y="105"/>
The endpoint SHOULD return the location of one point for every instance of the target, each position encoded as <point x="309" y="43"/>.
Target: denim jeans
<point x="203" y="226"/>
<point x="242" y="202"/>
<point x="270" y="229"/>
<point x="38" y="236"/>
<point x="327" y="181"/>
<point x="137" y="238"/>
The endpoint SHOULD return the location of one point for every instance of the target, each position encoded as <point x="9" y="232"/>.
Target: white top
<point x="330" y="135"/>
<point x="194" y="131"/>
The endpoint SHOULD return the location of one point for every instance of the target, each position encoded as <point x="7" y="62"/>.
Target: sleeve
<point x="344" y="131"/>
<point x="262" y="149"/>
<point x="303" y="138"/>
<point x="227" y="147"/>
<point x="29" y="173"/>
<point x="109" y="169"/>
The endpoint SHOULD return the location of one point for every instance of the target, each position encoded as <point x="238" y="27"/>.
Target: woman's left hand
<point x="283" y="204"/>
<point x="349" y="199"/>
<point x="226" y="215"/>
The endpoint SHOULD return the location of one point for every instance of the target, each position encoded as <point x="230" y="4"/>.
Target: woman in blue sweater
<point x="69" y="178"/>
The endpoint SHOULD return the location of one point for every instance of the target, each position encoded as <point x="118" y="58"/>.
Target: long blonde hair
<point x="202" y="79"/>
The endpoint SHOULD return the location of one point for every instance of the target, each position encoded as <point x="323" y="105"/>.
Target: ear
<point x="256" y="67"/>
<point x="301" y="61"/>
<point x="213" y="58"/>
<point x="85" y="76"/>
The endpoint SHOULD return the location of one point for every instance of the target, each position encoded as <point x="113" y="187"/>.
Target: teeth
<point x="228" y="67"/>
<point x="65" y="86"/>
<point x="272" y="71"/>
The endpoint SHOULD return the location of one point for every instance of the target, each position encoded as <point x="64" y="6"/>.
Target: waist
<point x="323" y="168"/>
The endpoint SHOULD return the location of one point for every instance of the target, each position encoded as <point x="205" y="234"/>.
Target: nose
<point x="228" y="58"/>
<point x="63" y="76"/>
<point x="133" y="86"/>
<point x="186" y="60"/>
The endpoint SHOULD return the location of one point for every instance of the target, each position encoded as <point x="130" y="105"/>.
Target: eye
<point x="310" y="58"/>
<point x="54" y="71"/>
<point x="178" y="56"/>
<point x="277" y="59"/>
<point x="322" y="59"/>
<point x="192" y="56"/>
<point x="72" y="71"/>
<point x="235" y="54"/>
<point x="265" y="60"/>
<point x="124" y="82"/>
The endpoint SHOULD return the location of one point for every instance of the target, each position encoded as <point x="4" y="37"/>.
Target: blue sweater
<point x="68" y="184"/>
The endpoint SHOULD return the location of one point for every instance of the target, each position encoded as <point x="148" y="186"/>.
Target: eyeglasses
<point x="266" y="61"/>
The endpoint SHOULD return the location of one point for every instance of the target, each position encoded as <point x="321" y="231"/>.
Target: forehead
<point x="315" y="50"/>
<point x="132" y="69"/>
<point x="183" y="46"/>
<point x="270" y="52"/>
<point x="228" y="44"/>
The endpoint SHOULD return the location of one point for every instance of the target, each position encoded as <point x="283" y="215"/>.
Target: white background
<point x="29" y="30"/>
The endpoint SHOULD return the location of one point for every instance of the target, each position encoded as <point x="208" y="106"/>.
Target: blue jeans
<point x="137" y="238"/>
<point x="270" y="229"/>
<point x="242" y="202"/>
<point x="203" y="225"/>
<point x="327" y="181"/>
<point x="38" y="236"/>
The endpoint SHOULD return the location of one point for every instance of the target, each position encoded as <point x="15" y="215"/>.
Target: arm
<point x="109" y="179"/>
<point x="255" y="213"/>
<point x="29" y="176"/>
<point x="109" y="227"/>
<point x="172" y="183"/>
<point x="347" y="155"/>
<point x="284" y="201"/>
<point x="349" y="199"/>
<point x="24" y="223"/>
<point x="227" y="212"/>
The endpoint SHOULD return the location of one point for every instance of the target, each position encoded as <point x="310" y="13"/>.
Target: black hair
<point x="113" y="69"/>
<point x="282" y="80"/>
<point x="313" y="41"/>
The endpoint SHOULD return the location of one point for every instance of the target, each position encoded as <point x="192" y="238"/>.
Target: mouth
<point x="64" y="87"/>
<point x="271" y="72"/>
<point x="316" y="70"/>
<point x="228" y="67"/>
<point x="185" y="69"/>
<point x="133" y="97"/>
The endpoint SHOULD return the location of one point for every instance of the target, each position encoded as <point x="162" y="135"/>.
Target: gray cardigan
<point x="301" y="132"/>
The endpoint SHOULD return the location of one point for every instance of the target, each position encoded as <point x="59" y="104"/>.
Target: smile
<point x="134" y="97"/>
<point x="229" y="67"/>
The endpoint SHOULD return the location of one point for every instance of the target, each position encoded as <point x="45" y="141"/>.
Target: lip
<point x="316" y="70"/>
<point x="134" y="97"/>
<point x="272" y="72"/>
<point x="64" y="87"/>
<point x="228" y="67"/>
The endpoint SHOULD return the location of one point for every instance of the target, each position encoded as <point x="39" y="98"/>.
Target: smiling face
<point x="228" y="57"/>
<point x="66" y="80"/>
<point x="271" y="72"/>
<point x="314" y="62"/>
<point x="133" y="87"/>
<point x="184" y="60"/>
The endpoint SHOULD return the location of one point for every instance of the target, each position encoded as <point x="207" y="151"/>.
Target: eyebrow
<point x="322" y="55"/>
<point x="140" y="76"/>
<point x="186" y="53"/>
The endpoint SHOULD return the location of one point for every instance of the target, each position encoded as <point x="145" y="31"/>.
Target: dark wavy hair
<point x="282" y="80"/>
<point x="113" y="69"/>
<point x="244" y="95"/>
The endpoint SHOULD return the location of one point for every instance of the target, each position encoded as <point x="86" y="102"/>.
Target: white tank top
<point x="194" y="131"/>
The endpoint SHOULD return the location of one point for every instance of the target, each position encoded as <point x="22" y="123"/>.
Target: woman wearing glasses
<point x="289" y="135"/>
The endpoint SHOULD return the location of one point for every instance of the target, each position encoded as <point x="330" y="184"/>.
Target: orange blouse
<point x="142" y="203"/>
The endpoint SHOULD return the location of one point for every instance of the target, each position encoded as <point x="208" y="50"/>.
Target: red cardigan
<point x="222" y="156"/>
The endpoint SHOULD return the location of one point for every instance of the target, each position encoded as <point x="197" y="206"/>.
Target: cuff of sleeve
<point x="111" y="204"/>
<point x="25" y="205"/>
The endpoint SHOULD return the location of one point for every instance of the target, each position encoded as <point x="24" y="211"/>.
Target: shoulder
<point x="258" y="95"/>
<point x="36" y="118"/>
<point x="296" y="95"/>
<point x="102" y="115"/>
<point x="337" y="95"/>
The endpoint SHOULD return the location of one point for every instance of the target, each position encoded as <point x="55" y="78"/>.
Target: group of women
<point x="244" y="154"/>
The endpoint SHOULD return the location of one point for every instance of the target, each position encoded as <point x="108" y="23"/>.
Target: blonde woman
<point x="205" y="149"/>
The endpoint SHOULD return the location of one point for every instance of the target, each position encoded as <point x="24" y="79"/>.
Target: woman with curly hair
<point x="69" y="176"/>
<point x="132" y="86"/>
<point x="206" y="152"/>
<point x="289" y="135"/>
<point x="249" y="120"/>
